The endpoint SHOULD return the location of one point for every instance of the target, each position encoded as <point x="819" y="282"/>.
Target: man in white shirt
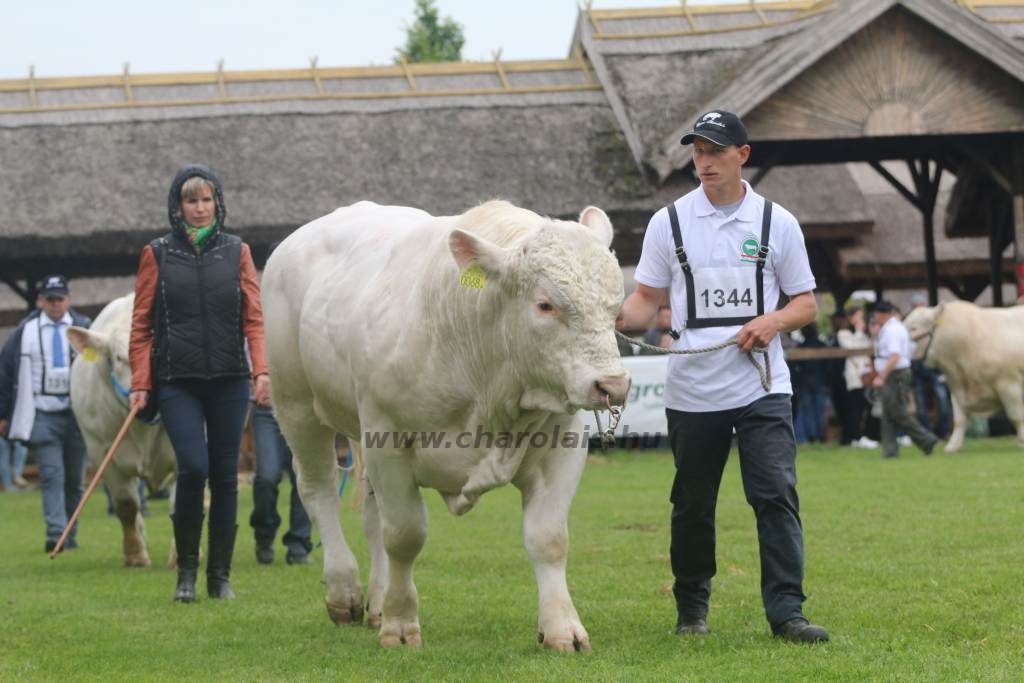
<point x="725" y="254"/>
<point x="35" y="403"/>
<point x="894" y="378"/>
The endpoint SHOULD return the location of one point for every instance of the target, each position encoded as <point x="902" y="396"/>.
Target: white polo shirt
<point x="724" y="379"/>
<point x="892" y="338"/>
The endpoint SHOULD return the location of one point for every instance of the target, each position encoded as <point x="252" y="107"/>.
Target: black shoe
<point x="218" y="569"/>
<point x="297" y="558"/>
<point x="185" y="591"/>
<point x="51" y="543"/>
<point x="694" y="626"/>
<point x="71" y="544"/>
<point x="186" y="543"/>
<point x="931" y="447"/>
<point x="799" y="630"/>
<point x="265" y="553"/>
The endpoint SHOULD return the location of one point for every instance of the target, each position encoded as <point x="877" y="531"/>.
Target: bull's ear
<point x="468" y="249"/>
<point x="82" y="339"/>
<point x="598" y="221"/>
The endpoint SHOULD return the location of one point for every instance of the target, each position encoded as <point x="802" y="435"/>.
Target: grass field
<point x="915" y="565"/>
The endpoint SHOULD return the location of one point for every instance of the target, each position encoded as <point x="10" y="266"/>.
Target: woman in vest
<point x="197" y="302"/>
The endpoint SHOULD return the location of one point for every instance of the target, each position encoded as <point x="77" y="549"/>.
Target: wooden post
<point x="316" y="75"/>
<point x="927" y="186"/>
<point x="221" y="87"/>
<point x="128" y="96"/>
<point x="33" y="100"/>
<point x="928" y="191"/>
<point x="995" y="257"/>
<point x="1017" y="172"/>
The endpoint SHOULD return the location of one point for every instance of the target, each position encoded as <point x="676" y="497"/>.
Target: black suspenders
<point x="691" y="294"/>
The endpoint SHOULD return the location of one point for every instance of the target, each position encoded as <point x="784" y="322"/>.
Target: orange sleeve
<point x="252" y="313"/>
<point x="140" y="345"/>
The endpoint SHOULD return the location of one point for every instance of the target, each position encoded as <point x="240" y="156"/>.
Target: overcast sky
<point x="93" y="37"/>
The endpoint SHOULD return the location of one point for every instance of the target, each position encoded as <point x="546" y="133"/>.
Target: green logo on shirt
<point x="749" y="249"/>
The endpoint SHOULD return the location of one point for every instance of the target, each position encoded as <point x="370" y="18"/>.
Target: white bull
<point x="100" y="380"/>
<point x="981" y="353"/>
<point x="371" y="330"/>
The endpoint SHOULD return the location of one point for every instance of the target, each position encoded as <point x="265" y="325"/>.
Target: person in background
<point x="273" y="458"/>
<point x="35" y="404"/>
<point x="855" y="337"/>
<point x="810" y="384"/>
<point x="929" y="381"/>
<point x="836" y="376"/>
<point x="197" y="302"/>
<point x="893" y="378"/>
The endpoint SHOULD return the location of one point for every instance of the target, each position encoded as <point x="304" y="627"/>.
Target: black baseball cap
<point x="720" y="127"/>
<point x="884" y="307"/>
<point x="53" y="285"/>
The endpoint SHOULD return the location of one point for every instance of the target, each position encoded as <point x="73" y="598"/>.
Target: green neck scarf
<point x="198" y="236"/>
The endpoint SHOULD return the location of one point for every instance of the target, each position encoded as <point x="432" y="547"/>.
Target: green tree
<point x="432" y="38"/>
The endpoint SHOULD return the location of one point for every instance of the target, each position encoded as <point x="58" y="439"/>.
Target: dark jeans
<point x="926" y="379"/>
<point x="810" y="414"/>
<point x="204" y="419"/>
<point x="767" y="451"/>
<point x="273" y="458"/>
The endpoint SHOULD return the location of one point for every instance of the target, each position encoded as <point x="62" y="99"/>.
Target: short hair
<point x="192" y="187"/>
<point x="884" y="307"/>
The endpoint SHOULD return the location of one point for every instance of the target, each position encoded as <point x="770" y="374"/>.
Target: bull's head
<point x="561" y="289"/>
<point x="102" y="348"/>
<point x="921" y="323"/>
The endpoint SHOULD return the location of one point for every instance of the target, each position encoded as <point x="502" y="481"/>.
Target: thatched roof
<point x="85" y="162"/>
<point x="660" y="82"/>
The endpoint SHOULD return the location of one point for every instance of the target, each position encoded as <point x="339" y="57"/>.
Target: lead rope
<point x="615" y="412"/>
<point x="765" y="373"/>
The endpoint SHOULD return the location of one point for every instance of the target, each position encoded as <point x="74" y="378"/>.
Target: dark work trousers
<point x="204" y="419"/>
<point x="896" y="393"/>
<point x="273" y="458"/>
<point x="767" y="447"/>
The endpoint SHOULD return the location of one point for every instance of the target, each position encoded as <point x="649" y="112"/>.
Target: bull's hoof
<point x="575" y="644"/>
<point x="137" y="561"/>
<point x="374" y="620"/>
<point x="344" y="614"/>
<point x="412" y="639"/>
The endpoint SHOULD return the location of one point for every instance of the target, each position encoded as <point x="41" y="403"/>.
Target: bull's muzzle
<point x="613" y="387"/>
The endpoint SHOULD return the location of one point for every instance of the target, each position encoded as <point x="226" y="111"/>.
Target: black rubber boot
<point x="218" y="568"/>
<point x="186" y="542"/>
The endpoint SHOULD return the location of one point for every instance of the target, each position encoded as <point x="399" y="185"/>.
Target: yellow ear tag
<point x="90" y="354"/>
<point x="473" y="277"/>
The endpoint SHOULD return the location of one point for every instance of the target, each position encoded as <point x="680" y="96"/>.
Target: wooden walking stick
<point x="95" y="480"/>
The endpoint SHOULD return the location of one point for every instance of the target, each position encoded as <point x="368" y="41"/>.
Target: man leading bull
<point x="724" y="254"/>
